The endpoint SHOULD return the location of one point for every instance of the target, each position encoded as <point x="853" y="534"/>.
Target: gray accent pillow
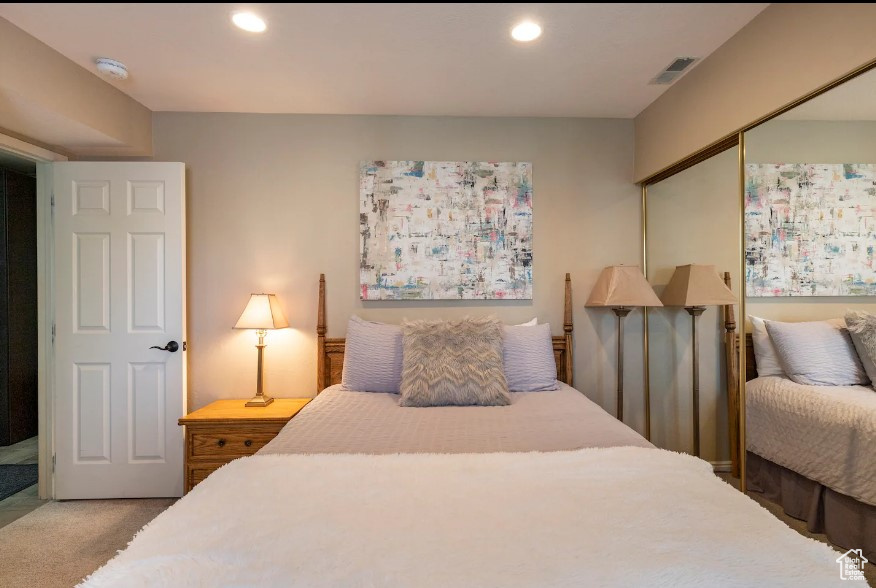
<point x="818" y="353"/>
<point x="372" y="357"/>
<point x="862" y="328"/>
<point x="528" y="355"/>
<point x="453" y="363"/>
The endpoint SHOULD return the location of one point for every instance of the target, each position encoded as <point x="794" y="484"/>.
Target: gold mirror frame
<point x="736" y="139"/>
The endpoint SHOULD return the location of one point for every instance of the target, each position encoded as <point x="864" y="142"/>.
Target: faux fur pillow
<point x="453" y="363"/>
<point x="862" y="328"/>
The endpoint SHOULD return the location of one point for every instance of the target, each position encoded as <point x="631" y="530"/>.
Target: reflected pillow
<point x="764" y="352"/>
<point x="818" y="353"/>
<point x="862" y="328"/>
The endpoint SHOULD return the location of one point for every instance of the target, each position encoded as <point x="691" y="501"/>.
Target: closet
<point x="18" y="307"/>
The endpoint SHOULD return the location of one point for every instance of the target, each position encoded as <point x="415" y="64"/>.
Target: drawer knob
<point x="248" y="442"/>
<point x="221" y="443"/>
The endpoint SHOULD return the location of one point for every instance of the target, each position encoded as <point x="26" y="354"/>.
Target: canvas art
<point x="439" y="230"/>
<point x="810" y="229"/>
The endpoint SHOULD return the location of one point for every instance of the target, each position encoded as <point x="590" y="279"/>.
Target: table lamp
<point x="261" y="313"/>
<point x="694" y="287"/>
<point x="622" y="287"/>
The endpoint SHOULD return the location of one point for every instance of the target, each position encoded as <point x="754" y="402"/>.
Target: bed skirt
<point x="847" y="522"/>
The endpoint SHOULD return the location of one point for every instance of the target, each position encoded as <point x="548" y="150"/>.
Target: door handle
<point x="171" y="346"/>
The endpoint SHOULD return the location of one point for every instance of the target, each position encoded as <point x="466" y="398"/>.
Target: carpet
<point x="16" y="477"/>
<point x="60" y="543"/>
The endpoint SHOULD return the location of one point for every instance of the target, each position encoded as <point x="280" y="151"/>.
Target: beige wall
<point x="693" y="217"/>
<point x="272" y="202"/>
<point x="49" y="100"/>
<point x="787" y="51"/>
<point x="781" y="141"/>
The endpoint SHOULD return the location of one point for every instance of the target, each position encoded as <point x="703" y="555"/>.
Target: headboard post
<point x="320" y="337"/>
<point x="567" y="329"/>
<point x="731" y="357"/>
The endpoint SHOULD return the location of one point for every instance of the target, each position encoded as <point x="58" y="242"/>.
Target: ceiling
<point x="593" y="60"/>
<point x="853" y="100"/>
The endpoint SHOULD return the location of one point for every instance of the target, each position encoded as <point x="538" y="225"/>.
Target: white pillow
<point x="531" y="323"/>
<point x="764" y="351"/>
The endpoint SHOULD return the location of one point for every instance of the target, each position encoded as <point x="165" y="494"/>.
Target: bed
<point x="810" y="450"/>
<point x="549" y="491"/>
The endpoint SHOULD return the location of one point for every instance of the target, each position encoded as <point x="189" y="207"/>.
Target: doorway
<point x="20" y="158"/>
<point x="19" y="443"/>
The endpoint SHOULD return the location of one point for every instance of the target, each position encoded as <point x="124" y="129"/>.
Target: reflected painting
<point x="442" y="230"/>
<point x="810" y="229"/>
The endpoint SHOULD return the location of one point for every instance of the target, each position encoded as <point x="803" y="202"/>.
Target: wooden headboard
<point x="750" y="363"/>
<point x="731" y="357"/>
<point x="330" y="351"/>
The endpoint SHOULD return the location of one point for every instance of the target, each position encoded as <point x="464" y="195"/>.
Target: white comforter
<point x="826" y="433"/>
<point x="624" y="516"/>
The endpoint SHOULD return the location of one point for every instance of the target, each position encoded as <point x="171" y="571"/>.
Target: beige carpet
<point x="60" y="543"/>
<point x="800" y="527"/>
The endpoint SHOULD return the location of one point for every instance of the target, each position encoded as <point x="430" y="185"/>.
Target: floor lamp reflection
<point x="695" y="287"/>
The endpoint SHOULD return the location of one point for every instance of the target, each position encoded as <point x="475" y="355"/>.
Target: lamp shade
<point x="262" y="312"/>
<point x="697" y="285"/>
<point x="622" y="285"/>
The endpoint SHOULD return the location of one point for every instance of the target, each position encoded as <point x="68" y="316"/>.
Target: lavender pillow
<point x="817" y="353"/>
<point x="528" y="355"/>
<point x="372" y="357"/>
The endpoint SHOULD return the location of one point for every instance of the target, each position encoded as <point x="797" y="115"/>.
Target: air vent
<point x="674" y="70"/>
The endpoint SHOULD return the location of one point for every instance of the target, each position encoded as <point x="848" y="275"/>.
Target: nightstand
<point x="226" y="429"/>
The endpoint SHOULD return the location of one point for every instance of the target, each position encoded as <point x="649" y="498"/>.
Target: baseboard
<point x="722" y="467"/>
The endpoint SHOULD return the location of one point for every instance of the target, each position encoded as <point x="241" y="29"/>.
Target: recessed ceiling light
<point x="249" y="22"/>
<point x="526" y="31"/>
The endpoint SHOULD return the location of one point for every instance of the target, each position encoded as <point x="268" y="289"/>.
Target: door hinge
<point x="54" y="461"/>
<point x="53" y="333"/>
<point x="53" y="200"/>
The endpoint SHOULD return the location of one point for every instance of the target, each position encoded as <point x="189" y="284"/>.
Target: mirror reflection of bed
<point x="810" y="403"/>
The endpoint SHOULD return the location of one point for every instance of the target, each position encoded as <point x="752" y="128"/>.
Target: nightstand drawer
<point x="197" y="474"/>
<point x="228" y="444"/>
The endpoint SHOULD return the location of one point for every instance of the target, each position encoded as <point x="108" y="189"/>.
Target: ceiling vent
<point x="674" y="70"/>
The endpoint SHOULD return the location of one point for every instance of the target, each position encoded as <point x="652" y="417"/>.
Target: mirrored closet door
<point x="693" y="240"/>
<point x="810" y="259"/>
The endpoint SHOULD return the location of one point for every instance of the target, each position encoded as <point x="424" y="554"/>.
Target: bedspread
<point x="340" y="421"/>
<point x="826" y="433"/>
<point x="624" y="516"/>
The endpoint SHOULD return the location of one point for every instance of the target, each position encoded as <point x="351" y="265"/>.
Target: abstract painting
<point x="810" y="229"/>
<point x="440" y="230"/>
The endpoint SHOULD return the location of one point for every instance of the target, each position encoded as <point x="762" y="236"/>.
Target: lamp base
<point x="260" y="401"/>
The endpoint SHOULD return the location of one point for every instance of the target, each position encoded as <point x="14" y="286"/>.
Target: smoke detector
<point x="673" y="71"/>
<point x="111" y="68"/>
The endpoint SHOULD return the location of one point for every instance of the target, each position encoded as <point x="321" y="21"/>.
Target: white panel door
<point x="119" y="293"/>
